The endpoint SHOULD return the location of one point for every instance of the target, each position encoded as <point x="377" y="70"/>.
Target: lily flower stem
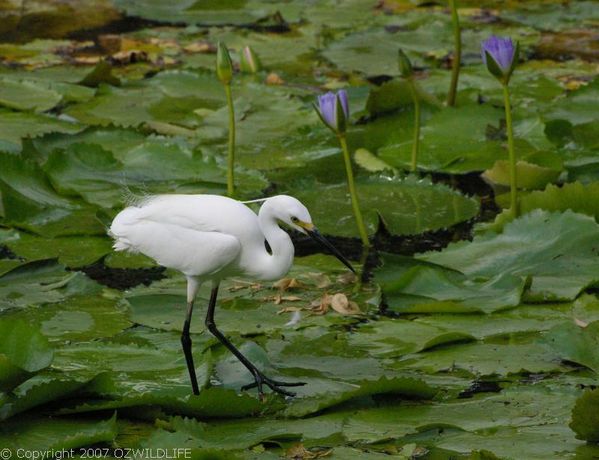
<point x="416" y="140"/>
<point x="512" y="154"/>
<point x="352" y="191"/>
<point x="231" y="156"/>
<point x="457" y="54"/>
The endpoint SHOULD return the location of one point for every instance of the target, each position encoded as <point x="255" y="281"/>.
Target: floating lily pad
<point x="453" y="140"/>
<point x="575" y="343"/>
<point x="41" y="282"/>
<point x="52" y="433"/>
<point x="39" y="390"/>
<point x="529" y="175"/>
<point x="413" y="287"/>
<point x="78" y="318"/>
<point x="23" y="351"/>
<point x="584" y="416"/>
<point x="575" y="196"/>
<point x="555" y="250"/>
<point x="72" y="251"/>
<point x="577" y="107"/>
<point x="407" y="206"/>
<point x="27" y="95"/>
<point x="14" y="126"/>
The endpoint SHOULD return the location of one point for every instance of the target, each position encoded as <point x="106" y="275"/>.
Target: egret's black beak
<point x="315" y="234"/>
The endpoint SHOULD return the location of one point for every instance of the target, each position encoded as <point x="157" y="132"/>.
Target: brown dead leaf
<point x="128" y="57"/>
<point x="347" y="278"/>
<point x="299" y="452"/>
<point x="273" y="79"/>
<point x="110" y="43"/>
<point x="165" y="43"/>
<point x="321" y="280"/>
<point x="321" y="306"/>
<point x="341" y="304"/>
<point x="87" y="59"/>
<point x="200" y="47"/>
<point x="288" y="283"/>
<point x="291" y="298"/>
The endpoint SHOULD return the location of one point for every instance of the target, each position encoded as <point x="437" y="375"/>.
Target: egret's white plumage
<point x="209" y="238"/>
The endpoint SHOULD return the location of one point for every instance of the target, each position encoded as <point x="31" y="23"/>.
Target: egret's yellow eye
<point x="294" y="219"/>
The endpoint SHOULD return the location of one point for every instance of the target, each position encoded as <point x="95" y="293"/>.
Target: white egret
<point x="209" y="238"/>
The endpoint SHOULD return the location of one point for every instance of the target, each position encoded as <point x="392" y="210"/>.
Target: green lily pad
<point x="78" y="318"/>
<point x="407" y="206"/>
<point x="27" y="95"/>
<point x="575" y="343"/>
<point x="413" y="287"/>
<point x="577" y="107"/>
<point x="72" y="251"/>
<point x="15" y="126"/>
<point x="38" y="390"/>
<point x="194" y="12"/>
<point x="23" y="351"/>
<point x="585" y="419"/>
<point x="53" y="433"/>
<point x="318" y="395"/>
<point x="555" y="250"/>
<point x="129" y="371"/>
<point x="98" y="177"/>
<point x="42" y="282"/>
<point x="575" y="196"/>
<point x="529" y="176"/>
<point x="513" y="407"/>
<point x="485" y="359"/>
<point x="453" y="140"/>
<point x="392" y="338"/>
<point x="29" y="201"/>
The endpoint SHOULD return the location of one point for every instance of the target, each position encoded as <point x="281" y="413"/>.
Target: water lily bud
<point x="224" y="66"/>
<point x="333" y="110"/>
<point x="249" y="62"/>
<point x="405" y="66"/>
<point x="500" y="55"/>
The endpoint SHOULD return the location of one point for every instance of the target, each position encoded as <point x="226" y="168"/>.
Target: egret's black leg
<point x="259" y="377"/>
<point x="186" y="343"/>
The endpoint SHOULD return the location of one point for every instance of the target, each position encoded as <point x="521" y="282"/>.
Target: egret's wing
<point x="197" y="212"/>
<point x="195" y="253"/>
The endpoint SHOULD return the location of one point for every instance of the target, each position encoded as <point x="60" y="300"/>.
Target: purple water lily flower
<point x="499" y="55"/>
<point x="327" y="109"/>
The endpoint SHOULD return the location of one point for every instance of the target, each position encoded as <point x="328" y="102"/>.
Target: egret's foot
<point x="274" y="385"/>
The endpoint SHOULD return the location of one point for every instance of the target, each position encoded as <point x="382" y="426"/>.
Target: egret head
<point x="291" y="212"/>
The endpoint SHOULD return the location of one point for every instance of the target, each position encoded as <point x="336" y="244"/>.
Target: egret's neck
<point x="276" y="265"/>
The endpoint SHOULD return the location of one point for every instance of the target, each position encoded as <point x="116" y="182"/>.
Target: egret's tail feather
<point x="122" y="245"/>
